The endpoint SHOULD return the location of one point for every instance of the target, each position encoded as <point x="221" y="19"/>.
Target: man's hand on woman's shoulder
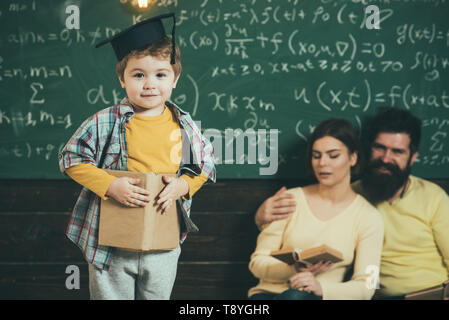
<point x="279" y="206"/>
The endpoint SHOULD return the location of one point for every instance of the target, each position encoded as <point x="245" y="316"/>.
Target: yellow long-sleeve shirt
<point x="357" y="233"/>
<point x="154" y="145"/>
<point x="415" y="253"/>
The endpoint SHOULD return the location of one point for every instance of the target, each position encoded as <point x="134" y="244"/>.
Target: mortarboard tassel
<point x="173" y="41"/>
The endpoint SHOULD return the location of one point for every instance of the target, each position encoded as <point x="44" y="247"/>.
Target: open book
<point x="309" y="256"/>
<point x="438" y="292"/>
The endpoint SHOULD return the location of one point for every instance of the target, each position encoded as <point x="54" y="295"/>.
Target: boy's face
<point x="148" y="82"/>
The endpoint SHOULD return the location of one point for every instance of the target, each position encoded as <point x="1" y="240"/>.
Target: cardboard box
<point x="144" y="228"/>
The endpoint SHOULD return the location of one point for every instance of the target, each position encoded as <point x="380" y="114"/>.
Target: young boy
<point x="144" y="132"/>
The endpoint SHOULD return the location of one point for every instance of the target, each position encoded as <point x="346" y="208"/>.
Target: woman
<point x="330" y="213"/>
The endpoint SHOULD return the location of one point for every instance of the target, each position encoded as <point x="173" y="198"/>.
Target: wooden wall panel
<point x="194" y="281"/>
<point x="40" y="237"/>
<point x="34" y="251"/>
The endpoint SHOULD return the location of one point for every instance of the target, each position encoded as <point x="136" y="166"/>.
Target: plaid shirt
<point x="101" y="141"/>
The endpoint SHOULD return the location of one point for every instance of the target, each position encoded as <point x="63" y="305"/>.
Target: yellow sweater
<point x="154" y="145"/>
<point x="416" y="247"/>
<point x="357" y="233"/>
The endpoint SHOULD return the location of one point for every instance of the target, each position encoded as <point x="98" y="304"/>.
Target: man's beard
<point x="379" y="187"/>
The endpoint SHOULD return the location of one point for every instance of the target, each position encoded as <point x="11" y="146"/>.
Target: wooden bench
<point x="34" y="251"/>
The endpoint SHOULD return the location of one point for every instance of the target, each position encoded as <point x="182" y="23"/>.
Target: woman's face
<point x="331" y="161"/>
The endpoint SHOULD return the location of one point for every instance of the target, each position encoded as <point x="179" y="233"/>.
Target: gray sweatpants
<point x="135" y="276"/>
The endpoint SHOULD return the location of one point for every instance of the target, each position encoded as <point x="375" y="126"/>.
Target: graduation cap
<point x="140" y="35"/>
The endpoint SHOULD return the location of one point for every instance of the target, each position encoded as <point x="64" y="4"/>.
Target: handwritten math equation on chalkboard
<point x="254" y="65"/>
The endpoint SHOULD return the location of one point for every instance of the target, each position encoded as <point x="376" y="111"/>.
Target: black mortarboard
<point x="140" y="35"/>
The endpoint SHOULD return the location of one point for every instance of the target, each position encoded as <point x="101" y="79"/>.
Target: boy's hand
<point x="175" y="188"/>
<point x="125" y="191"/>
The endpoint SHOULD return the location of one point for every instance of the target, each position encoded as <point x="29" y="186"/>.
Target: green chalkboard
<point x="248" y="66"/>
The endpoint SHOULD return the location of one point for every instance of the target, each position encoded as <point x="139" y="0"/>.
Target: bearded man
<point x="415" y="253"/>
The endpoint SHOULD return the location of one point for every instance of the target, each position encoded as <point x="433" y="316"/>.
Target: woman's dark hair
<point x="342" y="130"/>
